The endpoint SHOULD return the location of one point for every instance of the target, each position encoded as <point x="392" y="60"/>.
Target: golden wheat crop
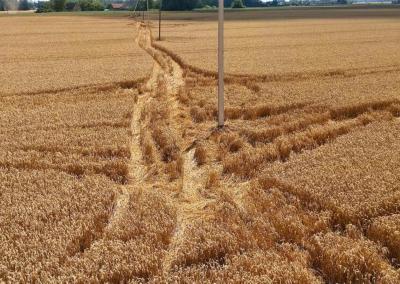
<point x="127" y="179"/>
<point x="47" y="53"/>
<point x="280" y="47"/>
<point x="308" y="156"/>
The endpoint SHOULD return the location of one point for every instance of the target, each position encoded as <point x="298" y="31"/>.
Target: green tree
<point x="210" y="3"/>
<point x="24" y="5"/>
<point x="142" y="5"/>
<point x="70" y="5"/>
<point x="152" y="4"/>
<point x="179" y="5"/>
<point x="44" y="7"/>
<point x="91" y="5"/>
<point x="237" y="4"/>
<point x="155" y="4"/>
<point x="58" y="5"/>
<point x="253" y="3"/>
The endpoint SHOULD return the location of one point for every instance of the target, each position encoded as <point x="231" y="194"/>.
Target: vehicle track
<point x="189" y="203"/>
<point x="137" y="169"/>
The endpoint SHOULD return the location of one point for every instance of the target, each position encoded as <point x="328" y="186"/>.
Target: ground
<point x="120" y="174"/>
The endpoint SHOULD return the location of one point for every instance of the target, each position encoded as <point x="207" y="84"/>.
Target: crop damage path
<point x="162" y="88"/>
<point x="194" y="202"/>
<point x="130" y="181"/>
<point x="227" y="208"/>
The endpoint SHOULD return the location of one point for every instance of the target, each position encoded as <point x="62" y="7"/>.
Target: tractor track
<point x="189" y="203"/>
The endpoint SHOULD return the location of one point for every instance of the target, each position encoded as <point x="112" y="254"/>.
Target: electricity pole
<point x="159" y="21"/>
<point x="221" y="63"/>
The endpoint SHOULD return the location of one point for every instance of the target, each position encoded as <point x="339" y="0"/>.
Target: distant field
<point x="286" y="13"/>
<point x="112" y="169"/>
<point x="47" y="53"/>
<point x="19" y="13"/>
<point x="285" y="46"/>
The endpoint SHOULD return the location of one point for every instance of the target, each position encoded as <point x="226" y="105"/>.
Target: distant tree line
<point x="69" y="5"/>
<point x="192" y="4"/>
<point x="169" y="5"/>
<point x="98" y="5"/>
<point x="209" y="4"/>
<point x="15" y="5"/>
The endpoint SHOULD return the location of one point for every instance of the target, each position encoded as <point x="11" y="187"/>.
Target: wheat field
<point x="61" y="52"/>
<point x="112" y="169"/>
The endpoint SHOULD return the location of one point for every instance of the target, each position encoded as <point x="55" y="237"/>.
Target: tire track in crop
<point x="338" y="222"/>
<point x="136" y="177"/>
<point x="173" y="76"/>
<point x="279" y="141"/>
<point x="189" y="202"/>
<point x="191" y="205"/>
<point x="137" y="169"/>
<point x="89" y="88"/>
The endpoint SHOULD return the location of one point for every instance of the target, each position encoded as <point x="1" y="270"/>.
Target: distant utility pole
<point x="221" y="63"/>
<point x="159" y="21"/>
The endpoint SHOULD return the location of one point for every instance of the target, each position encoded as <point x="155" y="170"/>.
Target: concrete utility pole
<point x="221" y="63"/>
<point x="159" y="21"/>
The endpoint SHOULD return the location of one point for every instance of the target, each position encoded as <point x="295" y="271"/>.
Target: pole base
<point x="221" y="128"/>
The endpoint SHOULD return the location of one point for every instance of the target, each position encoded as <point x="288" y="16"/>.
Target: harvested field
<point x="129" y="181"/>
